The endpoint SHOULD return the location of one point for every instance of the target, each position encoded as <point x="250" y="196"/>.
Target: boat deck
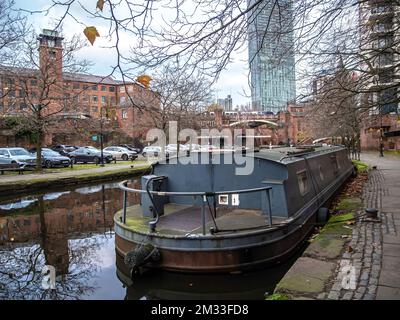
<point x="181" y="220"/>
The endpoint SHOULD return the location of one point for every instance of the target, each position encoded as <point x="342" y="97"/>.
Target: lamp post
<point x="101" y="138"/>
<point x="381" y="135"/>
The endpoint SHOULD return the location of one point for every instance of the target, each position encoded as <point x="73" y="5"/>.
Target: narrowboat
<point x="228" y="211"/>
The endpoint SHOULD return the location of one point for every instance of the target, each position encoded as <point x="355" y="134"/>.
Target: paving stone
<point x="363" y="282"/>
<point x="372" y="289"/>
<point x="391" y="239"/>
<point x="358" y="296"/>
<point x="334" y="295"/>
<point x="390" y="276"/>
<point x="391" y="250"/>
<point x="322" y="296"/>
<point x="369" y="296"/>
<point x="364" y="276"/>
<point x="348" y="295"/>
<point x="387" y="293"/>
<point x="307" y="275"/>
<point x="337" y="286"/>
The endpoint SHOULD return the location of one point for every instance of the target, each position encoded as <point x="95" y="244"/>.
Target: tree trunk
<point x="38" y="145"/>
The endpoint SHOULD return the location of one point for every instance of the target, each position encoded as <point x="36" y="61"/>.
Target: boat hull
<point x="262" y="251"/>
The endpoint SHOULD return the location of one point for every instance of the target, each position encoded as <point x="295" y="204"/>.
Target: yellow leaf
<point x="144" y="80"/>
<point x="91" y="34"/>
<point x="100" y="5"/>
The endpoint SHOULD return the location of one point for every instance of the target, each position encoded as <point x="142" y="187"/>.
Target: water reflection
<point x="72" y="230"/>
<point x="56" y="229"/>
<point x="164" y="285"/>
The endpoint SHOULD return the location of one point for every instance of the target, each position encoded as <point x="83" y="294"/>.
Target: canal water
<point x="72" y="230"/>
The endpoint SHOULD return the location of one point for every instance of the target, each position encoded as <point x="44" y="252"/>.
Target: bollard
<point x="372" y="213"/>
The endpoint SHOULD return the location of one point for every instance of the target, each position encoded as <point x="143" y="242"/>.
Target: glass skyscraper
<point x="271" y="55"/>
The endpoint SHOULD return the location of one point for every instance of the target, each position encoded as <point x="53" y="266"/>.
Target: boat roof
<point x="283" y="155"/>
<point x="291" y="154"/>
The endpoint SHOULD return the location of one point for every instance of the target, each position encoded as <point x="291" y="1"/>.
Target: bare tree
<point x="35" y="91"/>
<point x="13" y="28"/>
<point x="182" y="97"/>
<point x="203" y="35"/>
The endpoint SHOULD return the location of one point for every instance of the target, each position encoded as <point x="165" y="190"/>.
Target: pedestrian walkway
<point x="383" y="193"/>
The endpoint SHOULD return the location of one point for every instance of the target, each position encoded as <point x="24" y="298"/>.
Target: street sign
<point x="94" y="137"/>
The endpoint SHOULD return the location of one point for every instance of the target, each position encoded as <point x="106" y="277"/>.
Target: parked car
<point x="51" y="158"/>
<point x="193" y="147"/>
<point x="208" y="147"/>
<point x="19" y="155"/>
<point x="121" y="153"/>
<point x="90" y="154"/>
<point x="151" y="151"/>
<point x="131" y="147"/>
<point x="5" y="160"/>
<point x="63" y="149"/>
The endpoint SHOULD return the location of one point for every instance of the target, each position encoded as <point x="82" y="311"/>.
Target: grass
<point x="82" y="166"/>
<point x="392" y="152"/>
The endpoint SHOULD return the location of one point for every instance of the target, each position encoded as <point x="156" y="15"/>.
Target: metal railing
<point x="204" y="196"/>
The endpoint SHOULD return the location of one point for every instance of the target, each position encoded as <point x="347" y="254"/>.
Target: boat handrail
<point x="204" y="194"/>
<point x="122" y="185"/>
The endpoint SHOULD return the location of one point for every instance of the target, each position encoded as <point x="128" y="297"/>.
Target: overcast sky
<point x="233" y="81"/>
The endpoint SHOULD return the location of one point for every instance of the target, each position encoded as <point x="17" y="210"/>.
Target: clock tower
<point x="50" y="53"/>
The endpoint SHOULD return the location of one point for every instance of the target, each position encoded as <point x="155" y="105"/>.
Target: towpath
<point x="383" y="193"/>
<point x="361" y="264"/>
<point x="6" y="179"/>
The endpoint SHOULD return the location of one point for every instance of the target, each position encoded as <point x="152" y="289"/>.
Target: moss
<point x="279" y="296"/>
<point x="392" y="152"/>
<point x="349" y="204"/>
<point x="361" y="166"/>
<point x="337" y="225"/>
<point x="340" y="218"/>
<point x="138" y="224"/>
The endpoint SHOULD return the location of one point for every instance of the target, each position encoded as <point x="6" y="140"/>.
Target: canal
<point x="72" y="230"/>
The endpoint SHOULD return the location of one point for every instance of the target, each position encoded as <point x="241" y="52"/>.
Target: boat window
<point x="321" y="173"/>
<point x="303" y="182"/>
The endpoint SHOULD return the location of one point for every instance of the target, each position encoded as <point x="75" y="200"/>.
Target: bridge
<point x="254" y="123"/>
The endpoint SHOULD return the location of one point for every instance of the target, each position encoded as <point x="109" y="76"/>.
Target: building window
<point x="111" y="89"/>
<point x="103" y="88"/>
<point x="33" y="82"/>
<point x="124" y="114"/>
<point x="303" y="182"/>
<point x="52" y="55"/>
<point x="130" y="88"/>
<point x="94" y="88"/>
<point x="95" y="109"/>
<point x="85" y="87"/>
<point x="94" y="99"/>
<point x="103" y="99"/>
<point x="76" y="85"/>
<point x="121" y="100"/>
<point x="122" y="89"/>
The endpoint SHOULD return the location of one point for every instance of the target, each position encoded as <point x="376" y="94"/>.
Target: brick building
<point x="78" y="101"/>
